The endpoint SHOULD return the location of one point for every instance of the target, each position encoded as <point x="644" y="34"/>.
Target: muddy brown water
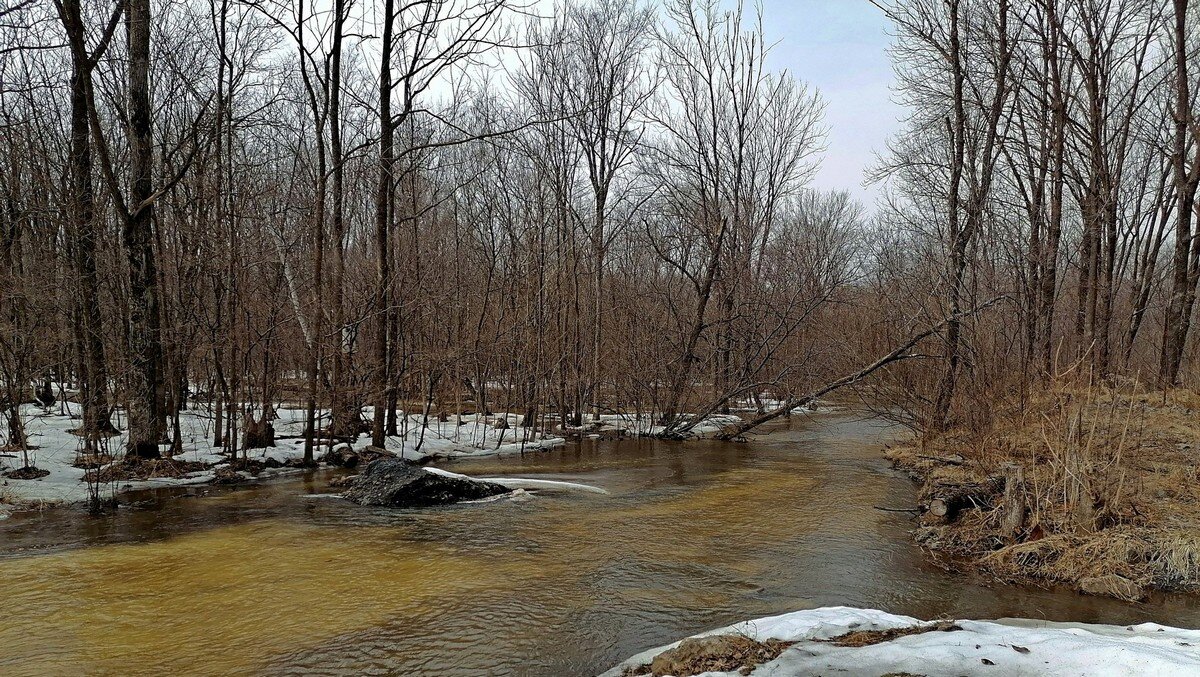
<point x="270" y="579"/>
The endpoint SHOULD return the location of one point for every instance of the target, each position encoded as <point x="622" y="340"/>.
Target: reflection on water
<point x="268" y="580"/>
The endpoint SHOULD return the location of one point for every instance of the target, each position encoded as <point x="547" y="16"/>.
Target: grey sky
<point x="840" y="47"/>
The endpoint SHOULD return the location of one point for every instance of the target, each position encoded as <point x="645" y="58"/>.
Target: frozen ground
<point x="1010" y="647"/>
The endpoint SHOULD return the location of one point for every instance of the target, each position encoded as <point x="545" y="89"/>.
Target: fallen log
<point x="900" y="353"/>
<point x="946" y="500"/>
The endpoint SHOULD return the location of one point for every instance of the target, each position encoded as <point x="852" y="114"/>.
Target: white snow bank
<point x="1010" y="647"/>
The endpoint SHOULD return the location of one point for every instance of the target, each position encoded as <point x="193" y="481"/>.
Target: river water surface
<point x="274" y="579"/>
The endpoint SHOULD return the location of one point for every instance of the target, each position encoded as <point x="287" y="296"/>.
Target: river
<point x="276" y="579"/>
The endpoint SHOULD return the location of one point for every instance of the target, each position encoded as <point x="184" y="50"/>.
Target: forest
<point x="337" y="227"/>
<point x="234" y="205"/>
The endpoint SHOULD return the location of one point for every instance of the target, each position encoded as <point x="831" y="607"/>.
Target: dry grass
<point x="1110" y="486"/>
<point x="718" y="653"/>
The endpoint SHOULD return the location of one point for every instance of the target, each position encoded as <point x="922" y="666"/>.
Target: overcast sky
<point x="840" y="47"/>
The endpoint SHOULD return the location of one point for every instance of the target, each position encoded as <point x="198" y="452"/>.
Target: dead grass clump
<point x="157" y="468"/>
<point x="861" y="638"/>
<point x="718" y="653"/>
<point x="28" y="472"/>
<point x="88" y="461"/>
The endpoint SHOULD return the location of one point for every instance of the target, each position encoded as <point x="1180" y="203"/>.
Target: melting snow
<point x="1008" y="647"/>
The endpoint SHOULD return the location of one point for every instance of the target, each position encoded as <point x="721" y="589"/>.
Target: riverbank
<point x="52" y="471"/>
<point x="1095" y="488"/>
<point x="868" y="642"/>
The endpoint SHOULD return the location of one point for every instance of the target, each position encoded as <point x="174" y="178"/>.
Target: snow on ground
<point x="1010" y="647"/>
<point x="54" y="449"/>
<point x="467" y="435"/>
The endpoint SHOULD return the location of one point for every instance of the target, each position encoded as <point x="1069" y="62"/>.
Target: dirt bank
<point x="1093" y="487"/>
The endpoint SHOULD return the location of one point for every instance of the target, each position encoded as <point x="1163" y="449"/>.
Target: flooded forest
<point x="520" y="337"/>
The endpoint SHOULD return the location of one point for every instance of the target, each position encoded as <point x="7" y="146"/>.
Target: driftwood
<point x="900" y="353"/>
<point x="953" y="459"/>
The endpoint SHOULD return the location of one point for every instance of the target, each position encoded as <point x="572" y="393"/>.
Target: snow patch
<point x="1010" y="647"/>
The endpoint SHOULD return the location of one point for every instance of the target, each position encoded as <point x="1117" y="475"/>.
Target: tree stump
<point x="257" y="434"/>
<point x="1014" y="500"/>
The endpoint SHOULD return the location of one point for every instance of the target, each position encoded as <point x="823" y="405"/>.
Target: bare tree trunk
<point x="383" y="190"/>
<point x="345" y="417"/>
<point x="683" y="373"/>
<point x="1058" y="127"/>
<point x="146" y="415"/>
<point x="1183" y="277"/>
<point x="93" y="382"/>
<point x="979" y="190"/>
<point x="958" y="234"/>
<point x="598" y="246"/>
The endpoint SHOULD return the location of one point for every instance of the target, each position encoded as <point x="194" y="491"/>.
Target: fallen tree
<point x="901" y="352"/>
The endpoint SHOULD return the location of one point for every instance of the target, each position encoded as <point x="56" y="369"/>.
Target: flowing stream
<point x="276" y="579"/>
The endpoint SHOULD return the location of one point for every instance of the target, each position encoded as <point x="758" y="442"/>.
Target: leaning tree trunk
<point x="683" y="373"/>
<point x="901" y="352"/>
